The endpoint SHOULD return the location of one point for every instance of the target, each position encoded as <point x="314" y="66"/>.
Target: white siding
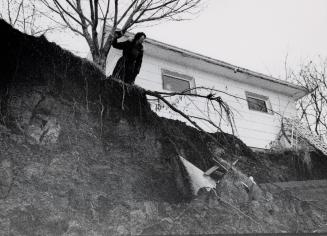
<point x="255" y="128"/>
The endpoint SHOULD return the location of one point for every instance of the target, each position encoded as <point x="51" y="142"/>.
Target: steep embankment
<point x="72" y="162"/>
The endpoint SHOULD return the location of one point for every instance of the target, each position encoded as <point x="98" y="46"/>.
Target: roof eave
<point x="301" y="92"/>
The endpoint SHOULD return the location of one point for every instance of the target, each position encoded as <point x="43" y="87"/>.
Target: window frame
<point x="261" y="98"/>
<point x="178" y="76"/>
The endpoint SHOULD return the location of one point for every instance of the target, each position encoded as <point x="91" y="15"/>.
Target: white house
<point x="258" y="101"/>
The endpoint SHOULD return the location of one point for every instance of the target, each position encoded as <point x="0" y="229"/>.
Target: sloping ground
<point x="284" y="166"/>
<point x="312" y="192"/>
<point x="72" y="162"/>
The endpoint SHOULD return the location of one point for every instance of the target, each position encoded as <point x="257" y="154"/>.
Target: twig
<point x="238" y="210"/>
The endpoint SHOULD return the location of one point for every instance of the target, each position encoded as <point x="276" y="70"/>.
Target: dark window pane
<point x="174" y="84"/>
<point x="257" y="104"/>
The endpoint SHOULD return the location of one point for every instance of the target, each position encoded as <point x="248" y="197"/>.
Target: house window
<point x="177" y="82"/>
<point x="258" y="102"/>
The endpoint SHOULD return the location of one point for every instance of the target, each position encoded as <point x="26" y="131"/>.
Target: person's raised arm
<point x="116" y="44"/>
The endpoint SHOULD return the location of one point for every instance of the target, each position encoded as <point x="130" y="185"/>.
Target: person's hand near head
<point x="118" y="34"/>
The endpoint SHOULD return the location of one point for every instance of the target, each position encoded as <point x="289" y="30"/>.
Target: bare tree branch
<point x="313" y="107"/>
<point x="84" y="19"/>
<point x="24" y="16"/>
<point x="18" y="12"/>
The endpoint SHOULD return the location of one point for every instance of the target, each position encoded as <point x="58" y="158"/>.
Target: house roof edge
<point x="236" y="69"/>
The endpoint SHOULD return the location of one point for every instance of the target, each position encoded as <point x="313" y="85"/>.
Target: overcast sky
<point x="255" y="34"/>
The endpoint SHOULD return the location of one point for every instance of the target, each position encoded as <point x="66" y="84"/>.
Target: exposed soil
<point x="73" y="162"/>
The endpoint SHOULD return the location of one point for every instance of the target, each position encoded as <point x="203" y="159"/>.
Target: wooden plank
<point x="211" y="170"/>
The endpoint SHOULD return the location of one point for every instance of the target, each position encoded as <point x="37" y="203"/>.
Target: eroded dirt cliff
<point x="73" y="162"/>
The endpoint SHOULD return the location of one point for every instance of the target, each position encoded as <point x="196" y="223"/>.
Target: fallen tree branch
<point x="210" y="97"/>
<point x="157" y="95"/>
<point x="238" y="210"/>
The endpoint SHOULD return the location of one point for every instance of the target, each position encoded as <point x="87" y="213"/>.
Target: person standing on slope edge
<point x="129" y="65"/>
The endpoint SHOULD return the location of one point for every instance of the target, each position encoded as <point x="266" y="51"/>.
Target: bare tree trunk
<point x="100" y="57"/>
<point x="101" y="61"/>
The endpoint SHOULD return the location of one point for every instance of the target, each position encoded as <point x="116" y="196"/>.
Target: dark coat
<point x="129" y="65"/>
